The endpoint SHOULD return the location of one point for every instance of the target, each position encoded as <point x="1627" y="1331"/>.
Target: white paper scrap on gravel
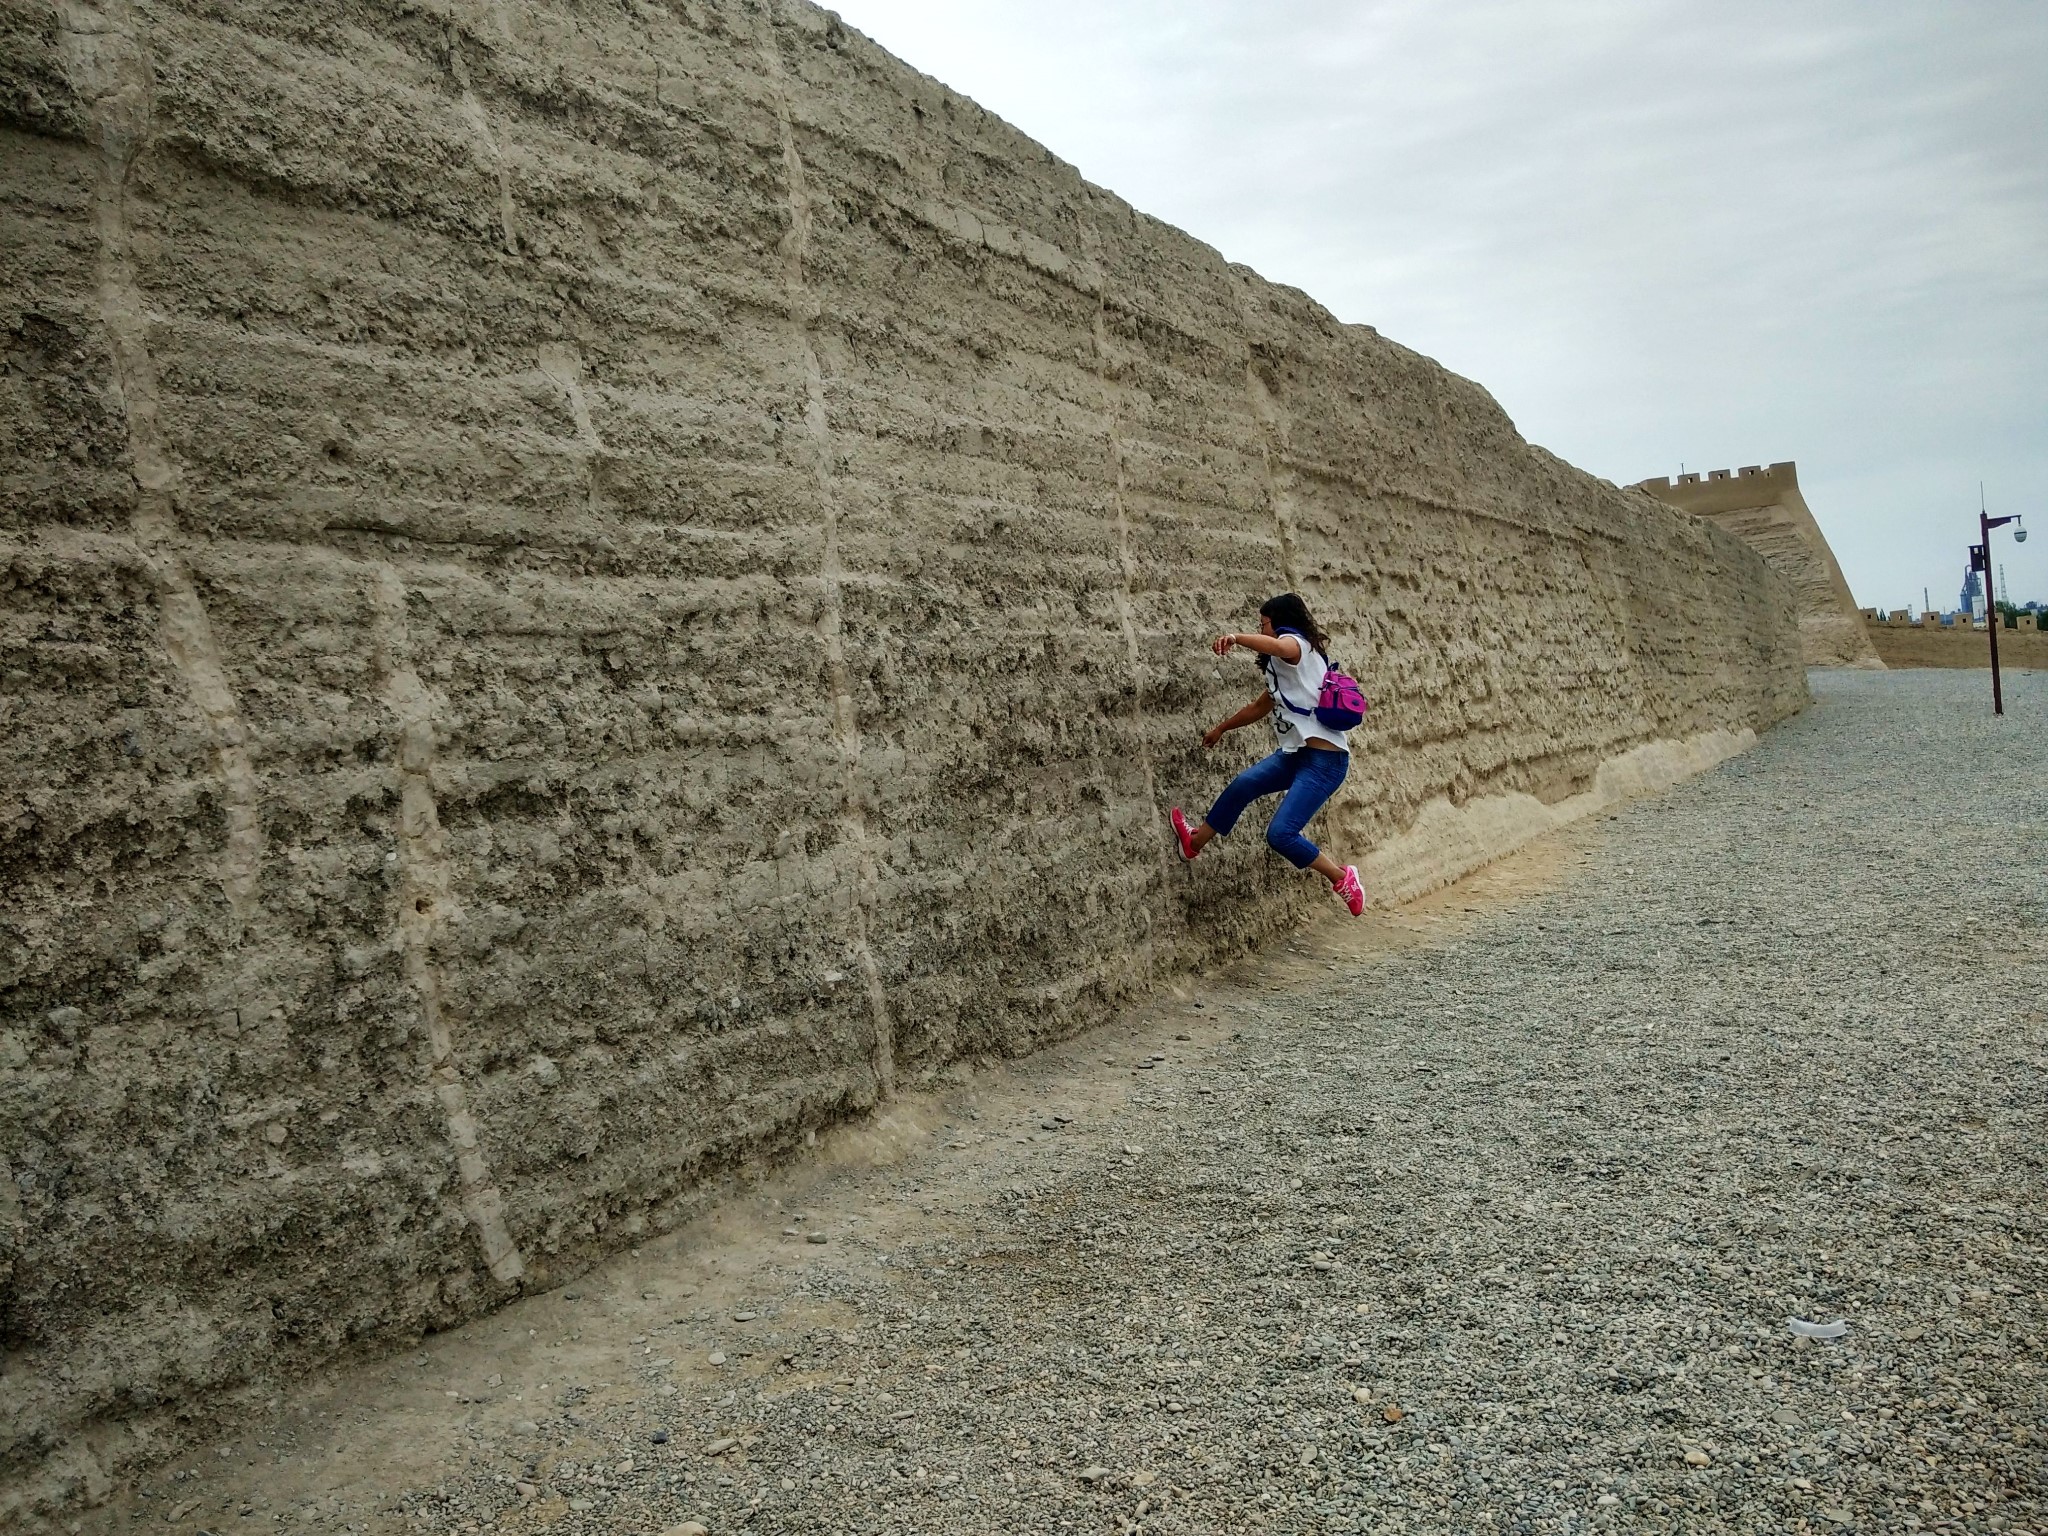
<point x="1807" y="1330"/>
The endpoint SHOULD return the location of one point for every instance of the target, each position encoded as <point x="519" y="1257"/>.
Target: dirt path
<point x="1482" y="1215"/>
<point x="347" y="1452"/>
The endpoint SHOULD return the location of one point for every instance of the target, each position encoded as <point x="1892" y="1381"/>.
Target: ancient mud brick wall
<point x="1918" y="645"/>
<point x="585" y="586"/>
<point x="1767" y="508"/>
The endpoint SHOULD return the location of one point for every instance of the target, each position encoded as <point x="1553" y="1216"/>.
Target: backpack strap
<point x="1266" y="664"/>
<point x="1281" y="694"/>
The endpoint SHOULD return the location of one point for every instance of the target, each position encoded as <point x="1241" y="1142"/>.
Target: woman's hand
<point x="1258" y="709"/>
<point x="1222" y="643"/>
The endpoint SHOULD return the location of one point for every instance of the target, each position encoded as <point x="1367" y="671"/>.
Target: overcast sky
<point x="1708" y="232"/>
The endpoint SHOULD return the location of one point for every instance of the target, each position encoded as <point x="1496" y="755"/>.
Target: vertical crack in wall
<point x="107" y="61"/>
<point x="486" y="141"/>
<point x="1276" y="460"/>
<point x="1107" y="366"/>
<point x="803" y="311"/>
<point x="426" y="906"/>
<point x="1273" y="456"/>
<point x="565" y="370"/>
<point x="1445" y="436"/>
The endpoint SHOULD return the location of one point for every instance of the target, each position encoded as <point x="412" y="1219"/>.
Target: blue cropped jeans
<point x="1305" y="778"/>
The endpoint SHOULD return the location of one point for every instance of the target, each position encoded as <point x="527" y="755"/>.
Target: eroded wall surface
<point x="587" y="586"/>
<point x="1766" y="508"/>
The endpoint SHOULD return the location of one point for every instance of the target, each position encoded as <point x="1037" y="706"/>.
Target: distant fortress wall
<point x="1906" y="639"/>
<point x="1764" y="507"/>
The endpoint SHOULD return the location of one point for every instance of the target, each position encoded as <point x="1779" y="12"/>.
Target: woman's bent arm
<point x="1253" y="712"/>
<point x="1286" y="647"/>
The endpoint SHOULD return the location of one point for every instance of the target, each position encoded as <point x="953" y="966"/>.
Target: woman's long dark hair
<point x="1288" y="611"/>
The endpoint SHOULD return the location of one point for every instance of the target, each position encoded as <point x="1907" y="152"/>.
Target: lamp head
<point x="2019" y="532"/>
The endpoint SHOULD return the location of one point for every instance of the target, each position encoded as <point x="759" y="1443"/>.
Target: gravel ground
<point x="1495" y="1228"/>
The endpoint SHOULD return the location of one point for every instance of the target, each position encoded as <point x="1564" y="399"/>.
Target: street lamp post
<point x="1980" y="560"/>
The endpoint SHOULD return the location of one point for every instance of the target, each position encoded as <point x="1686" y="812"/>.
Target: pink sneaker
<point x="1185" y="833"/>
<point x="1350" y="891"/>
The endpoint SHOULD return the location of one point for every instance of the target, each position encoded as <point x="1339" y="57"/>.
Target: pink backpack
<point x="1342" y="704"/>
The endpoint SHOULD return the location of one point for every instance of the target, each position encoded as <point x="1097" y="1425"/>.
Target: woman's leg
<point x="1328" y="868"/>
<point x="1269" y="776"/>
<point x="1314" y="782"/>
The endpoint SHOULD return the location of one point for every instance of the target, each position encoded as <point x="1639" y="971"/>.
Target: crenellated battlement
<point x="1776" y="477"/>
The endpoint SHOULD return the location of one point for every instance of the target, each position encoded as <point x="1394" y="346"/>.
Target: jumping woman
<point x="1312" y="760"/>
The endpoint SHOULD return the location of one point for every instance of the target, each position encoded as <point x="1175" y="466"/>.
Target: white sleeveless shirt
<point x="1302" y="683"/>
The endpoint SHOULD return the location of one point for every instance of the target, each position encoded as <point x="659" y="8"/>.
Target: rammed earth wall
<point x="587" y="586"/>
<point x="1766" y="508"/>
<point x="1933" y="645"/>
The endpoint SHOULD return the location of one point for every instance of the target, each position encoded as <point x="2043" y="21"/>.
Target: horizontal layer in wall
<point x="586" y="586"/>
